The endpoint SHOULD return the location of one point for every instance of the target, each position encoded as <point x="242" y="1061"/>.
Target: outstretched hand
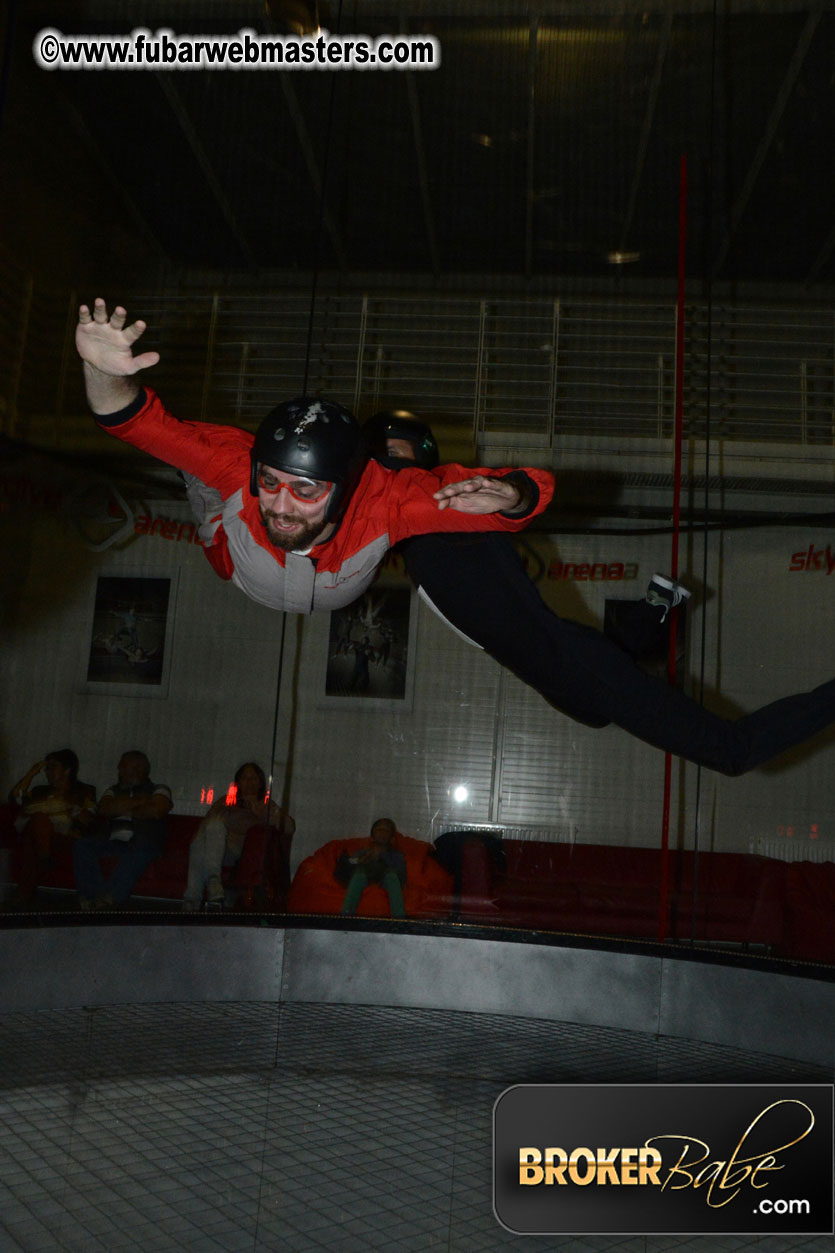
<point x="480" y="495"/>
<point x="106" y="344"/>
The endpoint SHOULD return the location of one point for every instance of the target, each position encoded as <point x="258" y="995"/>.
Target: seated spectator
<point x="132" y="827"/>
<point x="222" y="834"/>
<point x="59" y="810"/>
<point x="379" y="863"/>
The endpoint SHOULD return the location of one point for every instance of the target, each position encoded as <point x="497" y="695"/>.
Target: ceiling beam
<point x="193" y="139"/>
<point x="423" y="177"/>
<point x="158" y="12"/>
<point x="99" y="155"/>
<point x="646" y="130"/>
<point x="303" y="136"/>
<point x="786" y="88"/>
<point x="492" y="10"/>
<point x="530" y="192"/>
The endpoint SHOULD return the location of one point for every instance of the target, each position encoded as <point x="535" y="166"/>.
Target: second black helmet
<point x="401" y="425"/>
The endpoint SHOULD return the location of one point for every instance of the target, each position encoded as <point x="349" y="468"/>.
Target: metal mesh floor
<point x="300" y="1127"/>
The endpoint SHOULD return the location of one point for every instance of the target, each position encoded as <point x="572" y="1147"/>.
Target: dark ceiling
<point x="549" y="139"/>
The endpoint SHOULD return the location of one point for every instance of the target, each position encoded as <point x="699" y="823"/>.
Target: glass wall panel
<point x="589" y="243"/>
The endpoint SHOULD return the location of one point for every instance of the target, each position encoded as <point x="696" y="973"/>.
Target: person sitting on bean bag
<point x="380" y="863"/>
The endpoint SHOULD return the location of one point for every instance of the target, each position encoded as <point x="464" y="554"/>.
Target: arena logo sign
<point x="813" y="559"/>
<point x="167" y="528"/>
<point x="593" y="571"/>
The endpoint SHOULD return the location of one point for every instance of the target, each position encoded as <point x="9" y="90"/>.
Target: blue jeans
<point x="360" y="881"/>
<point x="134" y="856"/>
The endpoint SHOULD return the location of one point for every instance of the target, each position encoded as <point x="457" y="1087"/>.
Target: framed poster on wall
<point x="371" y="652"/>
<point x="129" y="646"/>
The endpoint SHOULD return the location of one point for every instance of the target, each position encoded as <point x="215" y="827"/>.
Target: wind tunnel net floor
<point x="302" y="1126"/>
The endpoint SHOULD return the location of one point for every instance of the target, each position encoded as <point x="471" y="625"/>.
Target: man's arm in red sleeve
<point x="415" y="509"/>
<point x="217" y="455"/>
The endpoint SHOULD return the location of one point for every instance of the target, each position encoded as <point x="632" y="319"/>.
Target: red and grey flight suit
<point x="384" y="508"/>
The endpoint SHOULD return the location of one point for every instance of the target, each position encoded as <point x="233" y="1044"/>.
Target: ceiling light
<point x="300" y="17"/>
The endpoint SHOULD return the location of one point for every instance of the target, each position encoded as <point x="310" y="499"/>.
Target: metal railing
<point x="530" y="370"/>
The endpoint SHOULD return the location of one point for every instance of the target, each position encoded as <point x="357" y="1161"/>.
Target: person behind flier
<point x="399" y="440"/>
<point x="221" y="835"/>
<point x="379" y="863"/>
<point x="132" y="827"/>
<point x="60" y="809"/>
<point x="299" y="519"/>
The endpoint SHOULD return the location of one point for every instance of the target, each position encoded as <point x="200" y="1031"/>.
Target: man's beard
<point x="300" y="538"/>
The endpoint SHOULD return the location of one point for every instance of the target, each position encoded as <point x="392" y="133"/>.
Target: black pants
<point x="639" y="627"/>
<point x="479" y="584"/>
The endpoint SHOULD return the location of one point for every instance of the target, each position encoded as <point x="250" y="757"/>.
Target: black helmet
<point x="401" y="425"/>
<point x="316" y="439"/>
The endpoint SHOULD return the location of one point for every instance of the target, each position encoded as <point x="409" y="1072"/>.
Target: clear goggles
<point x="308" y="491"/>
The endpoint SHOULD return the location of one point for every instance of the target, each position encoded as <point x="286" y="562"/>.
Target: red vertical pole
<point x="664" y="891"/>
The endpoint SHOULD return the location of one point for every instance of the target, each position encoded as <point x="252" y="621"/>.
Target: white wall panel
<point x="354" y="765"/>
<point x="218" y="710"/>
<point x="773" y="641"/>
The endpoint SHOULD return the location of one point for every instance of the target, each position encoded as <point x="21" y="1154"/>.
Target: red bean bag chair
<point x="427" y="892"/>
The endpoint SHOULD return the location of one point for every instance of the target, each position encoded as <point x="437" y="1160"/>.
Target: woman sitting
<point x="59" y="810"/>
<point x="221" y="835"/>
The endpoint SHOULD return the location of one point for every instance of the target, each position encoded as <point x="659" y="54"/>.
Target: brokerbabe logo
<point x="666" y="1159"/>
